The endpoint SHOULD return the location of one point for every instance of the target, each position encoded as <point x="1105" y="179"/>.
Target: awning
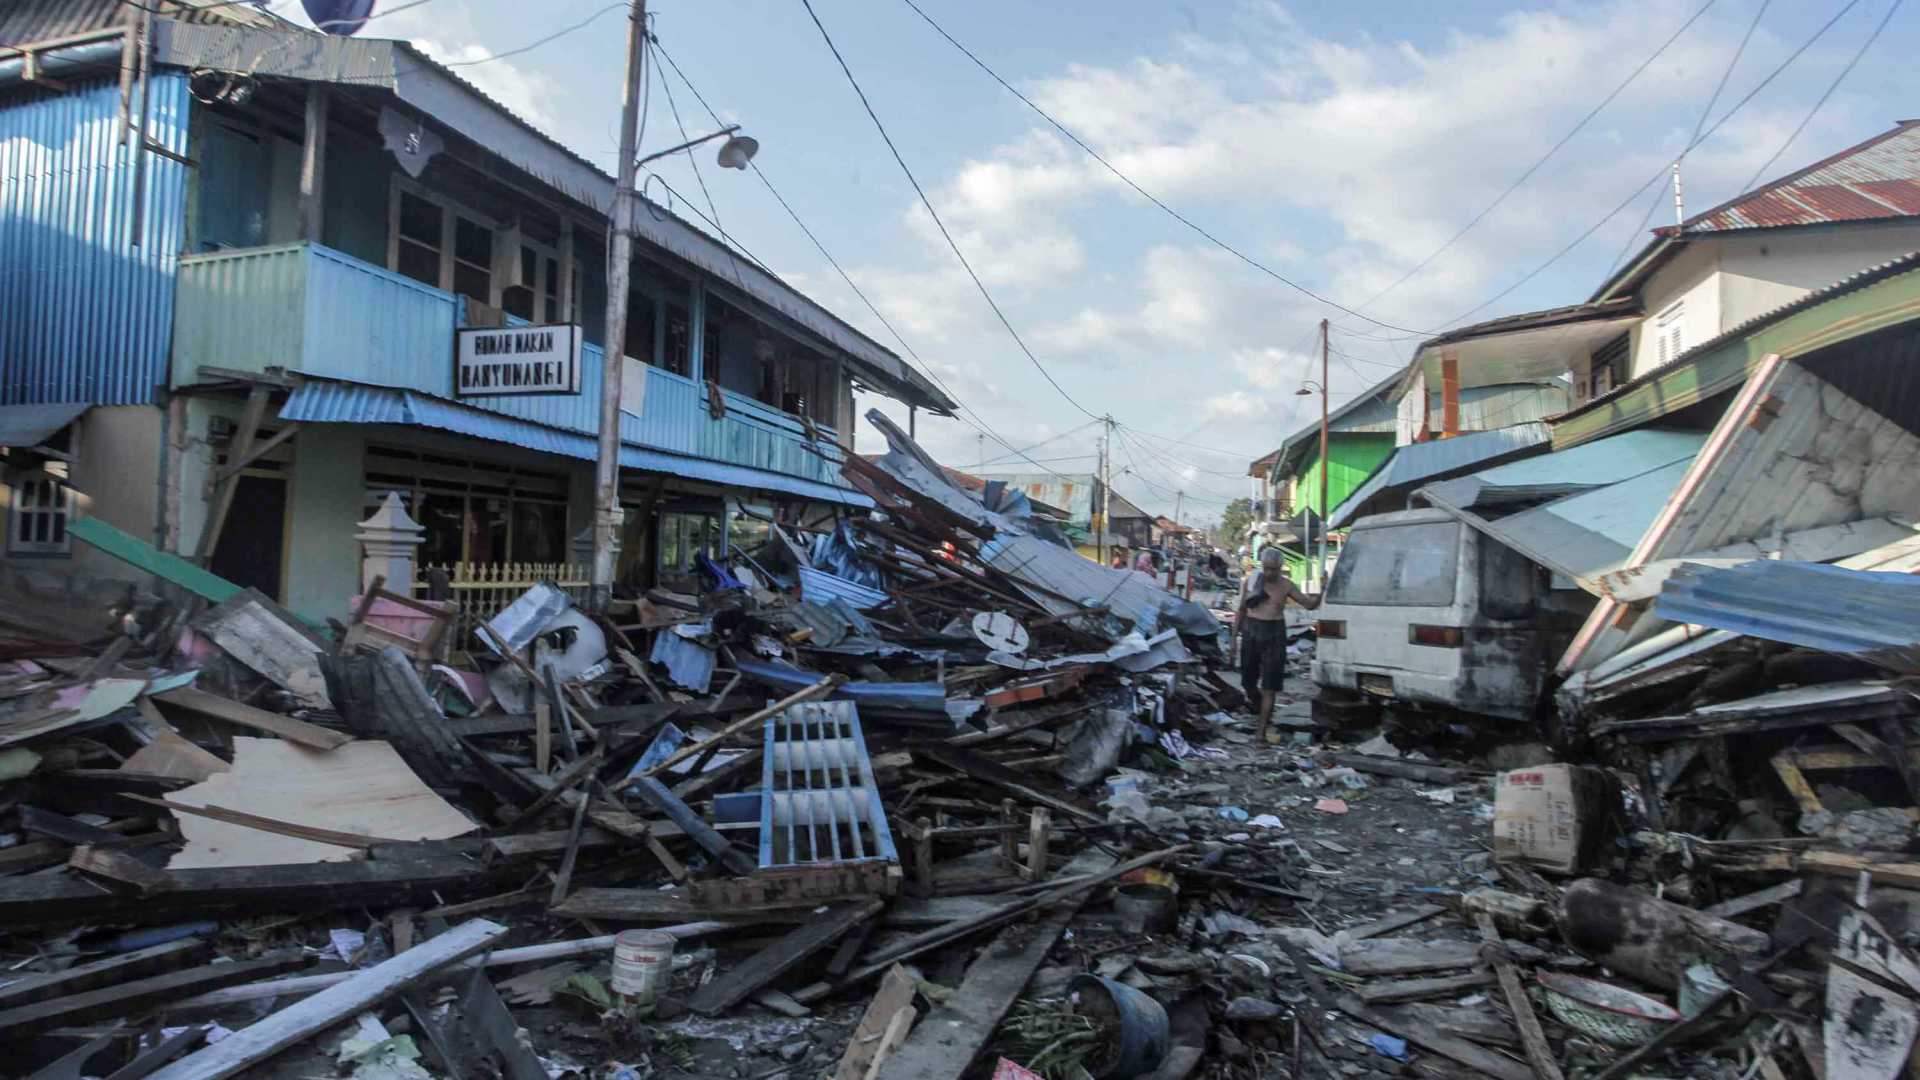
<point x="1568" y="471"/>
<point x="31" y="425"/>
<point x="351" y="403"/>
<point x="1438" y="458"/>
<point x="1524" y="348"/>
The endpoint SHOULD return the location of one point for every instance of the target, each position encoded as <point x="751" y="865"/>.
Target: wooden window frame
<point x="449" y="209"/>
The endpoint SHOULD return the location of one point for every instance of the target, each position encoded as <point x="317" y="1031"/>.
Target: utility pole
<point x="980" y="448"/>
<point x="1180" y="495"/>
<point x="1106" y="490"/>
<point x="606" y="510"/>
<point x="1679" y="204"/>
<point x="1325" y="393"/>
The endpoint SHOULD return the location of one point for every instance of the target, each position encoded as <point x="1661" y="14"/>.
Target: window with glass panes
<point x="474" y="511"/>
<point x="41" y="506"/>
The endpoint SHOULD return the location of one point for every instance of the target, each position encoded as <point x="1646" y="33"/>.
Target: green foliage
<point x="1234" y="521"/>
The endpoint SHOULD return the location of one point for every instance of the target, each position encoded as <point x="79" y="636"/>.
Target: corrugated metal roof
<point x="1437" y="458"/>
<point x="31" y="425"/>
<point x="1590" y="465"/>
<point x="23" y="22"/>
<point x="1879" y="178"/>
<point x="86" y="299"/>
<point x="821" y="587"/>
<point x="1873" y="616"/>
<point x="325" y="402"/>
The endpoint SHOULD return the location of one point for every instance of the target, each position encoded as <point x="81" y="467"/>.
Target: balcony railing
<point x="309" y="309"/>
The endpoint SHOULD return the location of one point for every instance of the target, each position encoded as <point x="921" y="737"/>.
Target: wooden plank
<point x="1405" y="770"/>
<point x="807" y="693"/>
<point x="894" y="998"/>
<point x="251" y="629"/>
<point x="985" y="769"/>
<point x="564" y="878"/>
<point x="145" y="557"/>
<point x="1539" y="1054"/>
<point x="763" y="967"/>
<point x="234" y="712"/>
<point x="129" y="999"/>
<point x="542" y="738"/>
<point x="656" y="794"/>
<point x="955" y="1031"/>
<point x="97" y="973"/>
<point x="253" y="1044"/>
<point x="170" y="753"/>
<point x="120" y="869"/>
<point x="216" y="520"/>
<point x="1427" y="1037"/>
<point x="265" y="824"/>
<point x="1754" y="901"/>
<point x="663" y="905"/>
<point x="1397" y="956"/>
<point x="1906" y="875"/>
<point x="1399" y="920"/>
<point x="1382" y="993"/>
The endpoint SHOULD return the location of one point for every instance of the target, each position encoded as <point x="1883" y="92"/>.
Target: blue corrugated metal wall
<point x="85" y="314"/>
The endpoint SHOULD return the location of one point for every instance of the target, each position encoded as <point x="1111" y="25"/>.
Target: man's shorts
<point x="1263" y="655"/>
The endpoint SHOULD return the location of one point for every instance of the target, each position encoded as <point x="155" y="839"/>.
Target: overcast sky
<point x="1338" y="143"/>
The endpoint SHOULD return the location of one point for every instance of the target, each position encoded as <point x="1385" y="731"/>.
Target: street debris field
<point x="922" y="795"/>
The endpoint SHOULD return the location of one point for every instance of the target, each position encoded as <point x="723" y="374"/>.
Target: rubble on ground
<point x="925" y="795"/>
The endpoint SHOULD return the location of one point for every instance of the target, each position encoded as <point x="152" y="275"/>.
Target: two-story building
<point x="257" y="278"/>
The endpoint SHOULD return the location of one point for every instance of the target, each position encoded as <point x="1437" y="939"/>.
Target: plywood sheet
<point x="363" y="787"/>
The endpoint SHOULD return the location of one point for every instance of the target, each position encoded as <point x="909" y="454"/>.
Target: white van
<point x="1422" y="610"/>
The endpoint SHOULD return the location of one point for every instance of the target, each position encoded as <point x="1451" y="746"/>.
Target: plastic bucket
<point x="1141" y="1035"/>
<point x="642" y="965"/>
<point x="1144" y="909"/>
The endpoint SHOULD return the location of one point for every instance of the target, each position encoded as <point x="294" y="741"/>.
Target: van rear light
<point x="1444" y="637"/>
<point x="1330" y="628"/>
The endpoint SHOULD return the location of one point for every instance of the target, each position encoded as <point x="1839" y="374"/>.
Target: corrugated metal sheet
<point x="85" y="310"/>
<point x="352" y="403"/>
<point x="1793" y="453"/>
<point x="1440" y="457"/>
<point x="31" y="425"/>
<point x="323" y="313"/>
<point x="26" y="21"/>
<point x="1873" y="616"/>
<point x="820" y="587"/>
<point x="1879" y="178"/>
<point x="1597" y="464"/>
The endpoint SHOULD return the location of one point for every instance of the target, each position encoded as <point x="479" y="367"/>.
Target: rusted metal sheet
<point x="1877" y="179"/>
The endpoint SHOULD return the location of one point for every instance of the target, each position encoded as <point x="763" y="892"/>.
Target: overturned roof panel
<point x="1860" y="613"/>
<point x="1439" y="458"/>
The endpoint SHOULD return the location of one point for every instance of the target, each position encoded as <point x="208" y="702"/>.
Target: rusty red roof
<point x="1879" y="178"/>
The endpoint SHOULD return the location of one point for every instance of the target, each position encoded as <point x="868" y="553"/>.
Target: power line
<point x="1835" y="85"/>
<point x="981" y="426"/>
<point x="1542" y="160"/>
<point x="1708" y="133"/>
<point x="1718" y="89"/>
<point x="935" y="215"/>
<point x="1143" y="192"/>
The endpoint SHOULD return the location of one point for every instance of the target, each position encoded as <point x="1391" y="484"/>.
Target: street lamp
<point x="735" y="153"/>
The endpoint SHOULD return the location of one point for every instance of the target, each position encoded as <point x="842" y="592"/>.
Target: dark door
<point x="255" y="535"/>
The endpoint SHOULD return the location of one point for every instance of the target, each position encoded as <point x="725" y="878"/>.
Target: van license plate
<point x="1381" y="685"/>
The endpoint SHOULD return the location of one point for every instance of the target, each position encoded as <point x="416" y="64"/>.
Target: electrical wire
<point x="1718" y="88"/>
<point x="935" y="215"/>
<point x="1143" y="192"/>
<point x="1835" y="85"/>
<point x="978" y="423"/>
<point x="693" y="160"/>
<point x="1637" y="192"/>
<point x="1543" y="159"/>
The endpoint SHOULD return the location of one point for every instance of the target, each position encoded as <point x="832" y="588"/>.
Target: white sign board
<point x="496" y="361"/>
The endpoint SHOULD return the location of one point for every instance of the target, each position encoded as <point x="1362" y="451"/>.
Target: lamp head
<point x="737" y="151"/>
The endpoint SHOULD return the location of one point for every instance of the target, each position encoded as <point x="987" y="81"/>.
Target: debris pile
<point x="864" y="763"/>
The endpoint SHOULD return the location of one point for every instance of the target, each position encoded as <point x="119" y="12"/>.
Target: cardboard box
<point x="1557" y="818"/>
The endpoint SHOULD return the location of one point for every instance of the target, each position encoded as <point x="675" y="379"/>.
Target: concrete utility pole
<point x="1325" y="393"/>
<point x="1177" y="497"/>
<point x="606" y="507"/>
<point x="1106" y="490"/>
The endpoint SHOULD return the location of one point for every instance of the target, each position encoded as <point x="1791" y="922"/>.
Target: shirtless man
<point x="1261" y="625"/>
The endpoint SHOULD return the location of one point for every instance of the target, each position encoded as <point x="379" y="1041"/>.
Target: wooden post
<point x="1037" y="843"/>
<point x="313" y="165"/>
<point x="1449" y="393"/>
<point x="563" y="292"/>
<point x="224" y="491"/>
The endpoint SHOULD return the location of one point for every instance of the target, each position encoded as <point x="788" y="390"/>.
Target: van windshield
<point x="1409" y="565"/>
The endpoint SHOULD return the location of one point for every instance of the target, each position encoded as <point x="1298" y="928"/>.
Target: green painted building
<point x="1360" y="436"/>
